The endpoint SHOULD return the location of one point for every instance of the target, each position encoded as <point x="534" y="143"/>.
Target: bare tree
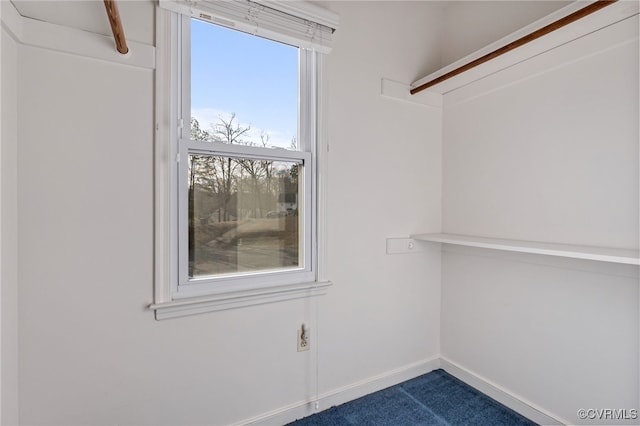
<point x="223" y="177"/>
<point x="229" y="132"/>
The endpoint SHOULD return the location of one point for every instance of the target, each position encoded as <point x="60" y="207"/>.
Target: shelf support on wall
<point x="581" y="13"/>
<point x="116" y="26"/>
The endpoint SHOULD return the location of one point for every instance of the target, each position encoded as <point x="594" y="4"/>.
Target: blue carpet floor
<point x="436" y="398"/>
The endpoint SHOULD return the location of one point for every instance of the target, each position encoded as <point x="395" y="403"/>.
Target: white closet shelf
<point x="602" y="254"/>
<point x="616" y="12"/>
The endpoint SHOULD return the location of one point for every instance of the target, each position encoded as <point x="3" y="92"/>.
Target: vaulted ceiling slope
<point x="89" y="15"/>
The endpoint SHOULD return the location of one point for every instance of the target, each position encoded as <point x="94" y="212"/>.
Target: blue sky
<point x="257" y="79"/>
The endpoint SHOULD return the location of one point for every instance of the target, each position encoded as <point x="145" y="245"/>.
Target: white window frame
<point x="186" y="287"/>
<point x="173" y="298"/>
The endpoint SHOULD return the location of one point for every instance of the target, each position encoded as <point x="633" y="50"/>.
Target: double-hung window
<point x="237" y="159"/>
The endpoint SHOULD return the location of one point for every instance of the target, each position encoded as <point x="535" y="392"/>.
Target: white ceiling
<point x="89" y="15"/>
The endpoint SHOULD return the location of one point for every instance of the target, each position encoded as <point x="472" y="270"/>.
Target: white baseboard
<point x="503" y="396"/>
<point x="376" y="383"/>
<point x="344" y="394"/>
<point x="356" y="390"/>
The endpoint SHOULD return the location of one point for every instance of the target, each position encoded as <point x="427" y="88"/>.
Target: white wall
<point x="551" y="157"/>
<point x="385" y="180"/>
<point x="90" y="351"/>
<point x="560" y="335"/>
<point x="9" y="234"/>
<point x="547" y="151"/>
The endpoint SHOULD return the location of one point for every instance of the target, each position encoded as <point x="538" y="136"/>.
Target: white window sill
<point x="238" y="299"/>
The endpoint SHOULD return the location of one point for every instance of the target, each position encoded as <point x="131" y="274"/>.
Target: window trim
<point x="166" y="304"/>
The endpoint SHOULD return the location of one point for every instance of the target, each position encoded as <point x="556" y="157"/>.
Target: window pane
<point x="244" y="215"/>
<point x="250" y="78"/>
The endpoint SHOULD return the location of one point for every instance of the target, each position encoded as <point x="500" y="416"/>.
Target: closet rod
<point x="116" y="26"/>
<point x="593" y="7"/>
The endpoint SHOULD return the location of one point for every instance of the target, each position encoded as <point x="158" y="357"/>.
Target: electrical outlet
<point x="303" y="338"/>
